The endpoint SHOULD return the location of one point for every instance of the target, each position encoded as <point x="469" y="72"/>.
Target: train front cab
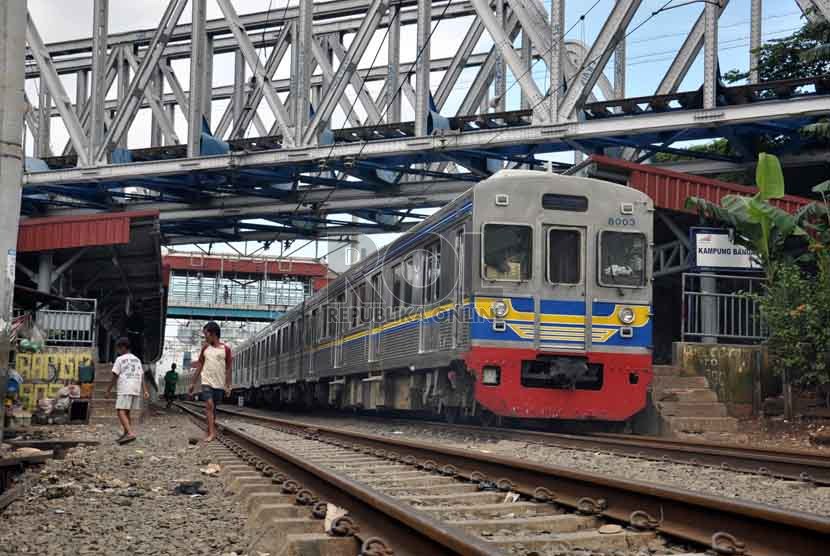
<point x="560" y="320"/>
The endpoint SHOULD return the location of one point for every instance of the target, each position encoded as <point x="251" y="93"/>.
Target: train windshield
<point x="508" y="252"/>
<point x="622" y="259"/>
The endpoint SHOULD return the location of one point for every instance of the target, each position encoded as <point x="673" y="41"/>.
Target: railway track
<point x="795" y="465"/>
<point x="423" y="499"/>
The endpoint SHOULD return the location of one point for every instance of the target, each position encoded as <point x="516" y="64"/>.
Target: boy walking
<point x="213" y="372"/>
<point x="128" y="374"/>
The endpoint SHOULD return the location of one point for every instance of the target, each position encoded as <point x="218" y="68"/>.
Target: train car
<point x="528" y="296"/>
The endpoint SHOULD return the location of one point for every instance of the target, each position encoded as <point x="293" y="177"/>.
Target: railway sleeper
<point x="450" y="488"/>
<point x="503" y="510"/>
<point x="627" y="541"/>
<point x="562" y="523"/>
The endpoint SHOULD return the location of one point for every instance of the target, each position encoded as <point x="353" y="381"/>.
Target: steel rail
<point x="796" y="465"/>
<point x="729" y="526"/>
<point x="408" y="531"/>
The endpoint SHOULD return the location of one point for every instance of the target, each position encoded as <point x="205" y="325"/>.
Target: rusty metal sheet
<point x="53" y="233"/>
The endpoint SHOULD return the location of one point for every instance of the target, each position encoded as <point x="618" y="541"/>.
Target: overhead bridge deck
<point x="386" y="169"/>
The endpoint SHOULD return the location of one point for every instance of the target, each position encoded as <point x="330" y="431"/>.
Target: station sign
<point x="714" y="249"/>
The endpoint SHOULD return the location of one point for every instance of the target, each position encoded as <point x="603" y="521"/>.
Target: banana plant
<point x="758" y="224"/>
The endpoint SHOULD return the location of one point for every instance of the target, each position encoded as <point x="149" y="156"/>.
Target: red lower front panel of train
<point x="535" y="385"/>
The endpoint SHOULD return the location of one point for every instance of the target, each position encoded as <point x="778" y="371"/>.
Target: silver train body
<point x="527" y="296"/>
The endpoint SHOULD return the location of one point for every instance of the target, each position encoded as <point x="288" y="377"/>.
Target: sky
<point x="650" y="50"/>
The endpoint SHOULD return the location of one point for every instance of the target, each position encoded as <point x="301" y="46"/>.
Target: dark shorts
<point x="215" y="394"/>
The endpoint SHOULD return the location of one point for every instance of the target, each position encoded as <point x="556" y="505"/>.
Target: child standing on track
<point x="129" y="375"/>
<point x="213" y="372"/>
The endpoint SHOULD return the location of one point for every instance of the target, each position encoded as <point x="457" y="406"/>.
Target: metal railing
<point x="73" y="325"/>
<point x="723" y="307"/>
<point x="192" y="289"/>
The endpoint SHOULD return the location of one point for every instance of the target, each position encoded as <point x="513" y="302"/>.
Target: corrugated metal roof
<point x="53" y="233"/>
<point x="669" y="189"/>
<point x="229" y="264"/>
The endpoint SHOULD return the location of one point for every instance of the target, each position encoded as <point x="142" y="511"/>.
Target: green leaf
<point x="823" y="187"/>
<point x="769" y="177"/>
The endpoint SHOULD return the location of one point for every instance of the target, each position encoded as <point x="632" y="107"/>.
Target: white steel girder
<point x="55" y="88"/>
<point x="591" y="68"/>
<point x="356" y="50"/>
<point x="251" y="102"/>
<point x="247" y="48"/>
<point x="686" y="55"/>
<point x="504" y="43"/>
<point x="301" y="69"/>
<point x="138" y="85"/>
<point x="372" y="111"/>
<point x="422" y="91"/>
<point x="538" y="134"/>
<point x="322" y="58"/>
<point x="198" y="71"/>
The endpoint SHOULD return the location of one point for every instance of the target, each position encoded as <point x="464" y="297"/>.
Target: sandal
<point x="126" y="439"/>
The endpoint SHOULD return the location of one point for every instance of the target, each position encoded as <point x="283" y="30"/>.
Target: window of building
<point x="564" y="256"/>
<point x="508" y="252"/>
<point x="622" y="257"/>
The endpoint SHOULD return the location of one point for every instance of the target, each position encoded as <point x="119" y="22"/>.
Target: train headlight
<point x="626" y="315"/>
<point x="499" y="309"/>
<point x="491" y="375"/>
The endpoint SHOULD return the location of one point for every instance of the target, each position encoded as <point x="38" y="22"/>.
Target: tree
<point x="802" y="54"/>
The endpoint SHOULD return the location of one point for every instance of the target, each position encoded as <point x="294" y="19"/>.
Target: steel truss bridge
<point x="336" y="147"/>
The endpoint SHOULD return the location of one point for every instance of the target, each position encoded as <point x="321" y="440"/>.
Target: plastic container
<point x="86" y="373"/>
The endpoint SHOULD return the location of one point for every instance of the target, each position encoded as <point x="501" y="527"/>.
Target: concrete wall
<point x="737" y="373"/>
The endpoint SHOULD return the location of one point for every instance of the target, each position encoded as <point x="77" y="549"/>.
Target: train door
<point x="458" y="290"/>
<point x="564" y="315"/>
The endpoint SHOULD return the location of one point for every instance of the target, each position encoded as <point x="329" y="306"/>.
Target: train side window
<point x="507" y="252"/>
<point x="622" y="259"/>
<point x="564" y="256"/>
<point x="410" y="278"/>
<point x="432" y="273"/>
<point x="397" y="286"/>
<point x="358" y="302"/>
<point x="377" y="298"/>
<point x="315" y="330"/>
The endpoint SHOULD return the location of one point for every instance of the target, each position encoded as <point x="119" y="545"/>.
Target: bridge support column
<point x="619" y="69"/>
<point x="755" y="32"/>
<point x="197" y="79"/>
<point x="98" y="93"/>
<point x="710" y="55"/>
<point x="12" y="109"/>
<point x="393" y="97"/>
<point x="557" y="23"/>
<point x="422" y="67"/>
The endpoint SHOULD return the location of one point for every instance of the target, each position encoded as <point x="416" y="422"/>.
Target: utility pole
<point x="12" y="109"/>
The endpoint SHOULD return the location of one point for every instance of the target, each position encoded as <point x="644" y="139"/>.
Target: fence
<point x="74" y="325"/>
<point x="722" y="307"/>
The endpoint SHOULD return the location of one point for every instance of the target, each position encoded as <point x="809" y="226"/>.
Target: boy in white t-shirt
<point x="128" y="373"/>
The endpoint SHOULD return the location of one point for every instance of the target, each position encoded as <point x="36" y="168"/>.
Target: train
<point x="528" y="296"/>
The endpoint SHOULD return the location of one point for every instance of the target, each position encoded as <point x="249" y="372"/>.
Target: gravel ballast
<point x="117" y="500"/>
<point x="794" y="495"/>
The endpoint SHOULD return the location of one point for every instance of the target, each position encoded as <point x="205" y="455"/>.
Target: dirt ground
<point x="777" y="432"/>
<point x="116" y="500"/>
